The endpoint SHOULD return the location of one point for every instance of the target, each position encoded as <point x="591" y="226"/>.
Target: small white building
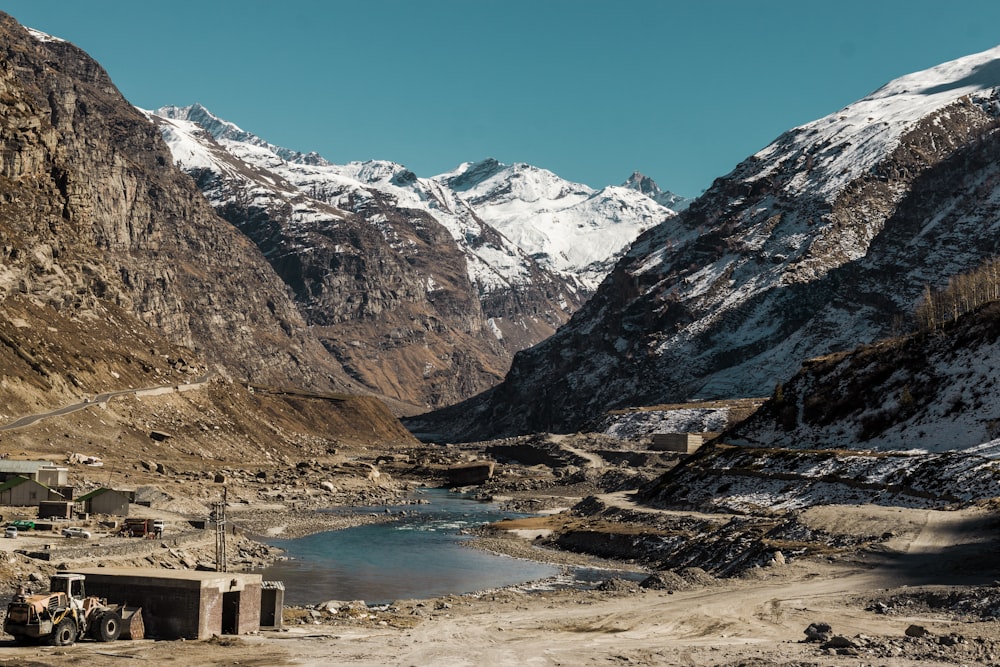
<point x="52" y="475"/>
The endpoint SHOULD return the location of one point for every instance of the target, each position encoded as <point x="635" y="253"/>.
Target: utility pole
<point x="221" y="561"/>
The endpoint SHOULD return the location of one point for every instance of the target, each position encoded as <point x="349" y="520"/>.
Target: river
<point x="417" y="556"/>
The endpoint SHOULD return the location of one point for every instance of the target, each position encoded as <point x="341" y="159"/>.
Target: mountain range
<point x="423" y="288"/>
<point x="823" y="240"/>
<point x="275" y="267"/>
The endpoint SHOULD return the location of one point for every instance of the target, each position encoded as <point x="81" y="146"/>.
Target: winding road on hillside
<point x="103" y="398"/>
<point x="593" y="460"/>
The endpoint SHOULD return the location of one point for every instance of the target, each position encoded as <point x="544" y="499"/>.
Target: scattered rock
<point x="618" y="585"/>
<point x="818" y="632"/>
<point x="839" y="641"/>
<point x="663" y="581"/>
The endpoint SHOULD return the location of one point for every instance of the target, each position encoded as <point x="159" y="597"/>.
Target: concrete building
<point x="24" y="492"/>
<point x="186" y="604"/>
<point x="107" y="501"/>
<point x="55" y="509"/>
<point x="682" y="443"/>
<point x="52" y="476"/>
<point x="28" y="469"/>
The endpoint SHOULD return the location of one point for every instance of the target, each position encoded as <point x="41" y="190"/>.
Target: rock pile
<point x="917" y="643"/>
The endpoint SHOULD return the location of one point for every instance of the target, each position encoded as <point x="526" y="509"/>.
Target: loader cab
<point x="70" y="584"/>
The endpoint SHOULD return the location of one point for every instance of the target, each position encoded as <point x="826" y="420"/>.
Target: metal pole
<point x="221" y="559"/>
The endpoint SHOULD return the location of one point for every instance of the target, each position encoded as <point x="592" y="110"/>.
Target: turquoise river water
<point x="419" y="555"/>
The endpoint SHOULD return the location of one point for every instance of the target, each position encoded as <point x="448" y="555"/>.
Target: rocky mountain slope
<point x="404" y="278"/>
<point x="93" y="216"/>
<point x="821" y="241"/>
<point x="907" y="421"/>
<point x="931" y="392"/>
<point x="117" y="276"/>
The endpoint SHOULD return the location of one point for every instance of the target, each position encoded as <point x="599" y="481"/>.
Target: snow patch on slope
<point x="845" y="145"/>
<point x="565" y="227"/>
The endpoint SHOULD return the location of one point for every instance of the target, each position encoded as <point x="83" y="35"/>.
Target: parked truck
<point x="66" y="614"/>
<point x="137" y="527"/>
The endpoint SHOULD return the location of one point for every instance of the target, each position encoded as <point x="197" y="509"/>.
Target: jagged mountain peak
<point x="471" y="174"/>
<point x="221" y="129"/>
<point x="647" y="186"/>
<point x="495" y="181"/>
<point x="642" y="183"/>
<point x="215" y="126"/>
<point x="375" y="172"/>
<point x="568" y="227"/>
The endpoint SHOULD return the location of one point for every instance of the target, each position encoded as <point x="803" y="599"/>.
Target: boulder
<point x="470" y="473"/>
<point x="818" y="632"/>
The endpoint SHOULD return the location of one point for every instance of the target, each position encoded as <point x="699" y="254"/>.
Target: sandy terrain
<point x="755" y="620"/>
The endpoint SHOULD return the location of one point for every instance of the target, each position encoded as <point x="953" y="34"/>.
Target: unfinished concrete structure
<point x="185" y="604"/>
<point x="682" y="443"/>
<point x="272" y="601"/>
<point x="55" y="509"/>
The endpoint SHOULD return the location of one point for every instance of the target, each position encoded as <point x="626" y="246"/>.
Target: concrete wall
<point x="683" y="443"/>
<point x="235" y="600"/>
<point x="60" y="509"/>
<point x="272" y="602"/>
<point x="176" y="605"/>
<point x="53" y="476"/>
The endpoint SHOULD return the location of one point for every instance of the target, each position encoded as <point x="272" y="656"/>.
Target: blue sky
<point x="590" y="89"/>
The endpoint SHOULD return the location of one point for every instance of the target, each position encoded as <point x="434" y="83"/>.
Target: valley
<point x="743" y="589"/>
<point x="194" y="316"/>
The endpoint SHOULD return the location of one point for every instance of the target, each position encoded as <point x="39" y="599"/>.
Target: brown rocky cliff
<point x="92" y="211"/>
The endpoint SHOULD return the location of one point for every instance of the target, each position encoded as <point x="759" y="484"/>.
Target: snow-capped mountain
<point x="821" y="241"/>
<point x="567" y="227"/>
<point x="647" y="186"/>
<point x="358" y="241"/>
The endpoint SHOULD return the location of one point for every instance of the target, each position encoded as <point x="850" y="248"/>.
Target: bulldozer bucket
<point x="132" y="625"/>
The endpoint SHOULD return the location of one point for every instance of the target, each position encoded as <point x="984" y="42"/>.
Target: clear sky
<point x="589" y="89"/>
